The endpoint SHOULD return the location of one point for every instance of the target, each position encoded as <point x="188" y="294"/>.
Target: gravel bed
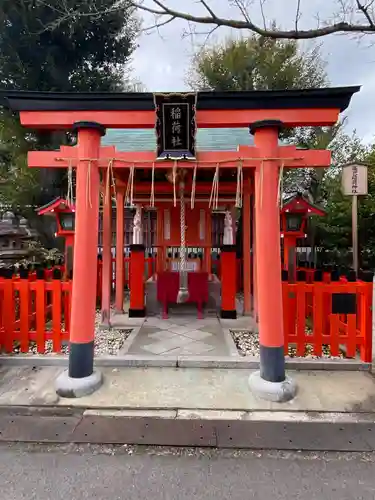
<point x="107" y="342"/>
<point x="247" y="343"/>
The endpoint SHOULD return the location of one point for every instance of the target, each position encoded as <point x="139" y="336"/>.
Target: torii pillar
<point x="270" y="382"/>
<point x="81" y="379"/>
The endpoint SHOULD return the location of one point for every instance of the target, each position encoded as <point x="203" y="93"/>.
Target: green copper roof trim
<point x="223" y="139"/>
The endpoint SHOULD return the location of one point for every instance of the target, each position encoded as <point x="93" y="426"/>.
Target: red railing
<point x="33" y="309"/>
<point x="309" y="318"/>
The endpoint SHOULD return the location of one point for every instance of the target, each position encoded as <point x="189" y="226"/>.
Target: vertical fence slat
<point x="2" y="331"/>
<point x="301" y="318"/>
<point x="40" y="300"/>
<point x="334" y="333"/>
<point x="351" y="341"/>
<point x="24" y="298"/>
<point x="9" y="315"/>
<point x="365" y="324"/>
<point x="67" y="305"/>
<point x="56" y="314"/>
<point x="317" y="318"/>
<point x="286" y="316"/>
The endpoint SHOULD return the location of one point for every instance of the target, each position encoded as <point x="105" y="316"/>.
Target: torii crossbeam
<point x="248" y="156"/>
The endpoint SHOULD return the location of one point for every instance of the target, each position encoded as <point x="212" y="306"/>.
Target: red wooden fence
<point x="34" y="310"/>
<point x="36" y="307"/>
<point x="309" y="318"/>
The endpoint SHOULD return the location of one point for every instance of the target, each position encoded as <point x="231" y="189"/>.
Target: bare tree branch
<point x="364" y="9"/>
<point x="298" y="14"/>
<point x="262" y="2"/>
<point x="352" y="16"/>
<point x="338" y="26"/>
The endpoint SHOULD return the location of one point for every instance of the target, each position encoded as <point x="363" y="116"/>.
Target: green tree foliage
<point x="256" y="63"/>
<point x="41" y="49"/>
<point x="334" y="232"/>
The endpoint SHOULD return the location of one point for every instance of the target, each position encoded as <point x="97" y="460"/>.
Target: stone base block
<point x="68" y="387"/>
<point x="278" y="392"/>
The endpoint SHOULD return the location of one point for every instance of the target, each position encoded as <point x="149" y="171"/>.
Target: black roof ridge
<point x="328" y="97"/>
<point x="203" y="93"/>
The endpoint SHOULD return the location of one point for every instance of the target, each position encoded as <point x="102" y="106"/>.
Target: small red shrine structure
<point x="183" y="185"/>
<point x="64" y="213"/>
<point x="295" y="213"/>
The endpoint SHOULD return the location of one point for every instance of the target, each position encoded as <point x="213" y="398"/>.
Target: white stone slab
<point x="179" y="329"/>
<point x="198" y="335"/>
<point x="162" y="335"/>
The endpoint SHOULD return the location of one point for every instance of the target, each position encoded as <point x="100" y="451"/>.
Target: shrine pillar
<point x="137" y="269"/>
<point x="290" y="257"/>
<point x="228" y="281"/>
<point x="107" y="258"/>
<point x="69" y="249"/>
<point x="80" y="379"/>
<point x="246" y="247"/>
<point x="270" y="382"/>
<point x="119" y="301"/>
<point x="160" y="256"/>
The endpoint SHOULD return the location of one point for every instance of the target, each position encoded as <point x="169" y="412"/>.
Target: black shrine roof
<point x="335" y="97"/>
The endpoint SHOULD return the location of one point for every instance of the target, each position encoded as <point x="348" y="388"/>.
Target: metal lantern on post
<point x="294" y="214"/>
<point x="294" y="222"/>
<point x="64" y="214"/>
<point x="66" y="221"/>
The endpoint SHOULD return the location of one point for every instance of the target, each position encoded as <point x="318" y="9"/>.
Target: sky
<point x="162" y="60"/>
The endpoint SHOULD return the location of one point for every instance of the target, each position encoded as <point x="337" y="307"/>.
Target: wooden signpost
<point x="354" y="184"/>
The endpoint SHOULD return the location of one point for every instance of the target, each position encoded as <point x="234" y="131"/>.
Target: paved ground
<point x="180" y="336"/>
<point x="134" y="474"/>
<point x="191" y="388"/>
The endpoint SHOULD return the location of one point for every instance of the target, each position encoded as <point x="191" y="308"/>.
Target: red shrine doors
<point x="197" y="233"/>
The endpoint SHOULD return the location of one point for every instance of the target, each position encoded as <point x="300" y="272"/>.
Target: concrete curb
<point x="225" y="362"/>
<point x="229" y="342"/>
<point x="282" y="430"/>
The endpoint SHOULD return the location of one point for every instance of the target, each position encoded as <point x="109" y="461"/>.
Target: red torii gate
<point x="248" y="156"/>
<point x="266" y="113"/>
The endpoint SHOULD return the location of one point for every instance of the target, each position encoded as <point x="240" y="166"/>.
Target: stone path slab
<point x="181" y="336"/>
<point x="191" y="388"/>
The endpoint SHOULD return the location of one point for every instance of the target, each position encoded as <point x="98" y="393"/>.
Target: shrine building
<point x="183" y="187"/>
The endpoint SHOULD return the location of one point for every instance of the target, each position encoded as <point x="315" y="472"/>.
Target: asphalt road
<point x="75" y="473"/>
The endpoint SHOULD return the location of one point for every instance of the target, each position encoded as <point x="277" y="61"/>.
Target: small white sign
<point x="189" y="265"/>
<point x="354" y="179"/>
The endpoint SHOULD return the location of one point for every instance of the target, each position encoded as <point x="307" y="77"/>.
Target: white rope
<point x="209" y="163"/>
<point x="130" y="187"/>
<point x="152" y="195"/>
<point x="174" y="176"/>
<point x="214" y="197"/>
<point x="88" y="184"/>
<point x="183" y="293"/>
<point x="70" y="195"/>
<point x="280" y="186"/>
<point x="239" y="189"/>
<point x="110" y="181"/>
<point x="260" y="184"/>
<point x="192" y="198"/>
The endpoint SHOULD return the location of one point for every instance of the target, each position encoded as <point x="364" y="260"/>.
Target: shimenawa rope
<point x="183" y="293"/>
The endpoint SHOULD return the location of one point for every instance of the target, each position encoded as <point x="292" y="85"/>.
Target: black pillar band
<point x="228" y="314"/>
<point x="137" y="313"/>
<point x="81" y="360"/>
<point x="272" y="363"/>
